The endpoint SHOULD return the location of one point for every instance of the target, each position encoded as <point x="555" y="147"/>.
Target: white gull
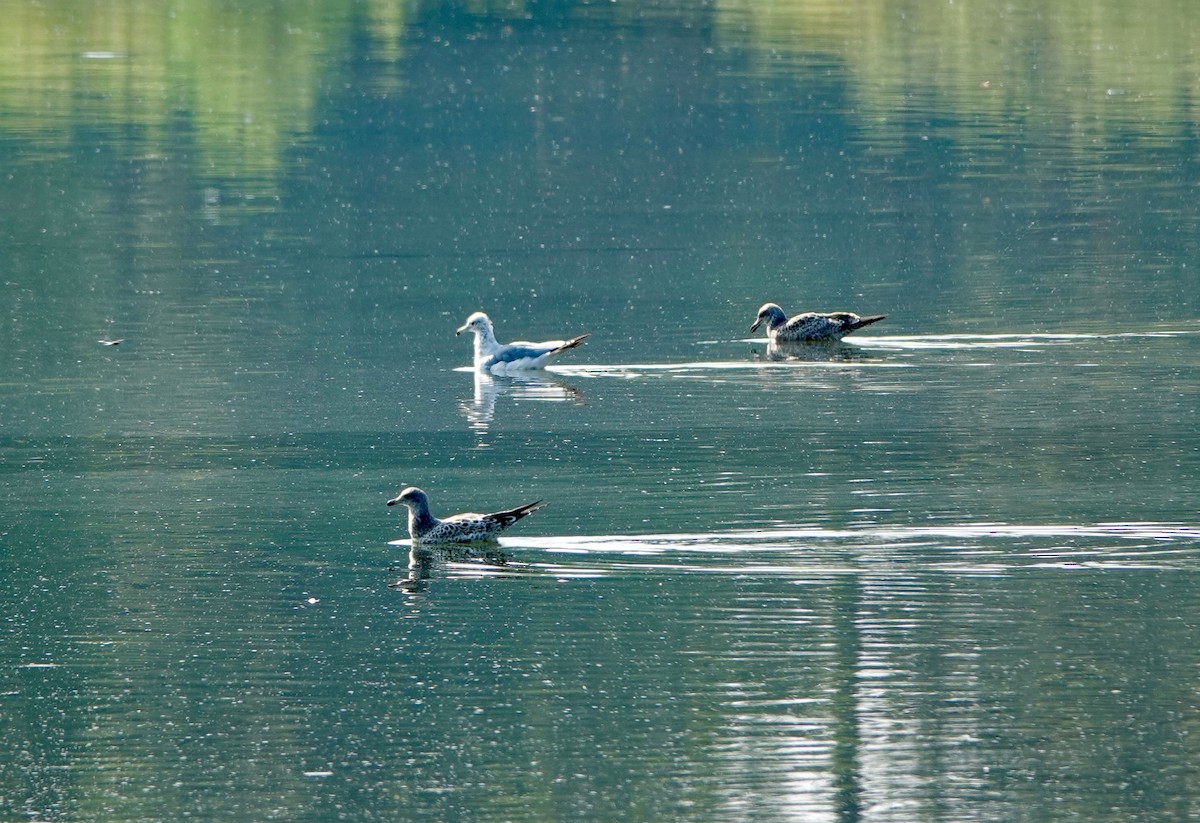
<point x="491" y="356"/>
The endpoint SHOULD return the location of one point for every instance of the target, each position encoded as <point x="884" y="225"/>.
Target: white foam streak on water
<point x="598" y="369"/>
<point x="734" y="541"/>
<point x="996" y="341"/>
<point x="837" y="352"/>
<point x="730" y="541"/>
<point x="1036" y="336"/>
<point x="969" y="548"/>
<point x="634" y="369"/>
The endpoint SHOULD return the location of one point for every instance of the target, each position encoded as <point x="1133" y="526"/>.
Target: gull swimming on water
<point x="469" y="527"/>
<point x="490" y="356"/>
<point x="809" y="326"/>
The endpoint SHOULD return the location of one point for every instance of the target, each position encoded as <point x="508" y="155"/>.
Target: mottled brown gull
<point x="468" y="527"/>
<point x="810" y="326"/>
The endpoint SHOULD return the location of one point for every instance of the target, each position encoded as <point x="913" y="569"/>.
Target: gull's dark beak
<point x="393" y="501"/>
<point x="459" y="330"/>
<point x="757" y="323"/>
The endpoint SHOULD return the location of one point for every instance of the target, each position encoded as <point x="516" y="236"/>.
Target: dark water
<point x="946" y="571"/>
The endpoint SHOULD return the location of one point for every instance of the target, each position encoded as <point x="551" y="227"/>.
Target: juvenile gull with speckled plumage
<point x="810" y="326"/>
<point x="491" y="356"/>
<point x="469" y="527"/>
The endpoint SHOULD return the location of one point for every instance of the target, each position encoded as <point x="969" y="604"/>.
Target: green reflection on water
<point x="1093" y="69"/>
<point x="199" y="618"/>
<point x="246" y="79"/>
<point x="242" y="79"/>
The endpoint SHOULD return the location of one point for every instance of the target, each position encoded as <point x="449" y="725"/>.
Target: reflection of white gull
<point x="469" y="527"/>
<point x="522" y="385"/>
<point x="490" y="356"/>
<point x="809" y="326"/>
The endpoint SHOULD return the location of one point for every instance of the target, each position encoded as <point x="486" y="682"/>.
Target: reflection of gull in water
<point x="821" y="350"/>
<point x="468" y="527"/>
<point x="521" y="386"/>
<point x="493" y="357"/>
<point x="809" y="326"/>
<point x="421" y="559"/>
<point x="420" y="565"/>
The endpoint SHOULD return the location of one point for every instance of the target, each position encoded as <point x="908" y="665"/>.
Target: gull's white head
<point x="477" y="322"/>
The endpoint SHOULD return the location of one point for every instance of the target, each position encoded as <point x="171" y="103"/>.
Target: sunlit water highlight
<point x="973" y="548"/>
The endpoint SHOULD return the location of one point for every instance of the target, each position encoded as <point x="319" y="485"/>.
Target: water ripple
<point x="636" y="369"/>
<point x="977" y="549"/>
<point x="1001" y="341"/>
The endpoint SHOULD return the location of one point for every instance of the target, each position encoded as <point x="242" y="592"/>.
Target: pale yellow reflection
<point x="1092" y="66"/>
<point x="244" y="78"/>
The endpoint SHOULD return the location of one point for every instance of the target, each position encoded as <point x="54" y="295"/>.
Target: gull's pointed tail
<point x="572" y="343"/>
<point x="507" y="518"/>
<point x="864" y="321"/>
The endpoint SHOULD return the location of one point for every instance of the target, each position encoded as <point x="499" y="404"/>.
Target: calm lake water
<point x="946" y="571"/>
